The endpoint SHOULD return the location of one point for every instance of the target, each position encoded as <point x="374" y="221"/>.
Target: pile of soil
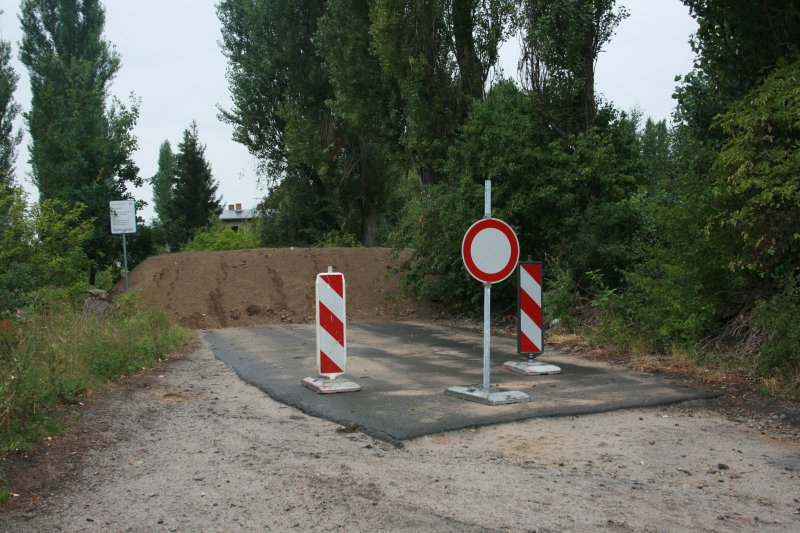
<point x="273" y="285"/>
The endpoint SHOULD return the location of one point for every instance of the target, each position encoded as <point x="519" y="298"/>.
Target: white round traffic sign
<point x="490" y="250"/>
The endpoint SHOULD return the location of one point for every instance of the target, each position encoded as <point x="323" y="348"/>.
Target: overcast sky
<point x="171" y="61"/>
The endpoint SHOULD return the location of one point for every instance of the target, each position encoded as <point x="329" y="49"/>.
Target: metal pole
<point x="487" y="334"/>
<point x="487" y="199"/>
<point x="125" y="257"/>
<point x="487" y="298"/>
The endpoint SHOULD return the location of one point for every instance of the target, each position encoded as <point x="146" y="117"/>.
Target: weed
<point x="57" y="355"/>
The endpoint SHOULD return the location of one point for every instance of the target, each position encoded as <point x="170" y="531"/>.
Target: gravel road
<point x="189" y="447"/>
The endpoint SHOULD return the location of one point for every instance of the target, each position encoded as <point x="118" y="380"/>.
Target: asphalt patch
<point x="404" y="369"/>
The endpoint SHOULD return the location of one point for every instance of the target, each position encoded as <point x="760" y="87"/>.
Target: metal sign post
<point x="125" y="257"/>
<point x="123" y="221"/>
<point x="490" y="251"/>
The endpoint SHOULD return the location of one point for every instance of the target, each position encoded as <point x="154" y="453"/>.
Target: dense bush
<point x="56" y="354"/>
<point x="569" y="199"/>
<point x="777" y="318"/>
<point x="219" y="237"/>
<point x="40" y="248"/>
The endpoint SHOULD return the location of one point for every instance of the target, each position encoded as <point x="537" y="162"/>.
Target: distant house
<point x="235" y="216"/>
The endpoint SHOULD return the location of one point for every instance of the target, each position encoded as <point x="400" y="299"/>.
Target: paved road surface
<point x="404" y="369"/>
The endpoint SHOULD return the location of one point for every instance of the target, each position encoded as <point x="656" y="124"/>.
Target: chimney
<point x="238" y="207"/>
<point x="230" y="207"/>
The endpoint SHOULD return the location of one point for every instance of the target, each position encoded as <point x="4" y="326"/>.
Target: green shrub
<point x="560" y="297"/>
<point x="220" y="237"/>
<point x="57" y="354"/>
<point x="670" y="307"/>
<point x="777" y="317"/>
<point x="338" y="239"/>
<point x="40" y="248"/>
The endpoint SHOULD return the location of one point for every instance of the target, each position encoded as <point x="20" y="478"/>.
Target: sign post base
<point x="487" y="396"/>
<point x="531" y="368"/>
<point x="330" y="386"/>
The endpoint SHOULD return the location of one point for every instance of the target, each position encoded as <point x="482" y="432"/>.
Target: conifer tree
<point x="194" y="203"/>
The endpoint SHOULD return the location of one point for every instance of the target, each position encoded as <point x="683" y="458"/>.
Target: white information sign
<point x="123" y="216"/>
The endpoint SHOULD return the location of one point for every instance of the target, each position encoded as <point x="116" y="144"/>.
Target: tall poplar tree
<point x="81" y="144"/>
<point x="11" y="196"/>
<point x="194" y="201"/>
<point x="560" y="44"/>
<point x="9" y="110"/>
<point x="163" y="182"/>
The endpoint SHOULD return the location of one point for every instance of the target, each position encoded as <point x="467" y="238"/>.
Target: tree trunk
<point x="426" y="177"/>
<point x="369" y="225"/>
<point x="587" y="105"/>
<point x="469" y="66"/>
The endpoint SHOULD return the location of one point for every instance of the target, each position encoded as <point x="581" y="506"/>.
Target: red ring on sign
<point x="466" y="247"/>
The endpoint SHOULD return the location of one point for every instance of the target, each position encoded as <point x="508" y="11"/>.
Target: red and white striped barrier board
<point x="331" y="325"/>
<point x="530" y="339"/>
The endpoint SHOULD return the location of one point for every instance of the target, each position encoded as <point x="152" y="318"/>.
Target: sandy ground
<point x="189" y="447"/>
<point x="272" y="285"/>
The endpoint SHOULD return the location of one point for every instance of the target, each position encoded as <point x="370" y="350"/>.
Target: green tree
<point x="362" y="101"/>
<point x="286" y="58"/>
<point x="657" y="153"/>
<point x="9" y="110"/>
<point x="163" y="182"/>
<point x="279" y="91"/>
<point x="276" y="79"/>
<point x="737" y="43"/>
<point x="41" y="247"/>
<point x="568" y="199"/>
<point x="343" y="97"/>
<point x="756" y="176"/>
<point x="284" y="221"/>
<point x="439" y="54"/>
<point x="194" y="201"/>
<point x="81" y="146"/>
<point x="560" y="44"/>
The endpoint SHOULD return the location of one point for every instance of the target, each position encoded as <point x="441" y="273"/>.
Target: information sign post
<point x="123" y="221"/>
<point x="490" y="251"/>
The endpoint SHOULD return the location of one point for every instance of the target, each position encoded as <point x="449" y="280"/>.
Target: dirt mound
<point x="271" y="285"/>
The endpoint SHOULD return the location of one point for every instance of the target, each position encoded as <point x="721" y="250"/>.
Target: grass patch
<point x="57" y="355"/>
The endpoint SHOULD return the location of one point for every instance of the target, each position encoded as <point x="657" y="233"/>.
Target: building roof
<point x="237" y="214"/>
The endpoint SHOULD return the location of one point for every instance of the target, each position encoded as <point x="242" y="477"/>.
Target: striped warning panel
<point x="331" y="325"/>
<point x="530" y="339"/>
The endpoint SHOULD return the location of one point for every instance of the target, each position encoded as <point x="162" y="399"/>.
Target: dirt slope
<point x="271" y="285"/>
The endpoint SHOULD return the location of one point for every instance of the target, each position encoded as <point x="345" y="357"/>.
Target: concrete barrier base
<point x="490" y="396"/>
<point x="531" y="368"/>
<point x="330" y="386"/>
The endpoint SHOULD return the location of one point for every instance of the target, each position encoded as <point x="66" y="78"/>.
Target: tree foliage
<point x="757" y="175"/>
<point x="40" y="248"/>
<point x="737" y="43"/>
<point x="560" y="45"/>
<point x="721" y="199"/>
<point x="163" y="181"/>
<point x="439" y="55"/>
<point x="9" y="110"/>
<point x="345" y="97"/>
<point x="219" y="237"/>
